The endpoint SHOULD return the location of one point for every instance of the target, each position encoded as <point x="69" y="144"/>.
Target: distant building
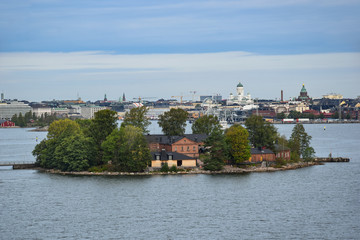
<point x="333" y="96"/>
<point x="217" y="98"/>
<point x="41" y="111"/>
<point x="7" y="110"/>
<point x="303" y="95"/>
<point x="60" y="112"/>
<point x="6" y="123"/>
<point x="240" y="98"/>
<point x="88" y="112"/>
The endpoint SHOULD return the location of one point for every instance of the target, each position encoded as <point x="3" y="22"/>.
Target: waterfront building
<point x="189" y="144"/>
<point x="240" y="98"/>
<point x="88" y="112"/>
<point x="6" y="123"/>
<point x="171" y="159"/>
<point x="259" y="155"/>
<point x="7" y="110"/>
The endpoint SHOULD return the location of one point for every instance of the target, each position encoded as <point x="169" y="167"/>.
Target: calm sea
<point x="320" y="202"/>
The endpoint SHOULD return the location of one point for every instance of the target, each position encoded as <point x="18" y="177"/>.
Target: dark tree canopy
<point x="261" y="133"/>
<point x="127" y="149"/>
<point x="206" y="124"/>
<point x="173" y="122"/>
<point x="218" y="151"/>
<point x="137" y="118"/>
<point x="102" y="125"/>
<point x="299" y="143"/>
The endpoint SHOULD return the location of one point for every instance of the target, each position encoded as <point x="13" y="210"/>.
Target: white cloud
<point x="39" y="76"/>
<point x="223" y="61"/>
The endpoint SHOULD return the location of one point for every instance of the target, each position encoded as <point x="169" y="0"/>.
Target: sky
<point x="56" y="49"/>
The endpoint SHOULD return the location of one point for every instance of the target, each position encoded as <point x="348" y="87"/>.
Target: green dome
<point x="303" y="89"/>
<point x="240" y="85"/>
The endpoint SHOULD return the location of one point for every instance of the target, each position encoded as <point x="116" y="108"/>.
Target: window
<point x="182" y="149"/>
<point x="175" y="149"/>
<point x="157" y="157"/>
<point x="170" y="157"/>
<point x="188" y="148"/>
<point x="194" y="148"/>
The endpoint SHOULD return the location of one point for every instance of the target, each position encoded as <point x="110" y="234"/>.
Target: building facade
<point x="240" y="98"/>
<point x="88" y="112"/>
<point x="7" y="110"/>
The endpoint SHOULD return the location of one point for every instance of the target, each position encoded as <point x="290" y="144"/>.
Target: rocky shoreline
<point x="226" y="170"/>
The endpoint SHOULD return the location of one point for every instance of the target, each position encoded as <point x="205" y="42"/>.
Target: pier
<point x="330" y="159"/>
<point x="18" y="165"/>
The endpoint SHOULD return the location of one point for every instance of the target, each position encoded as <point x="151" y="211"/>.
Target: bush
<point x="279" y="162"/>
<point x="173" y="169"/>
<point x="101" y="168"/>
<point x="164" y="168"/>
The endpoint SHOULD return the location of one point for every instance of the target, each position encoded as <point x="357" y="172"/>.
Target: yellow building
<point x="172" y="159"/>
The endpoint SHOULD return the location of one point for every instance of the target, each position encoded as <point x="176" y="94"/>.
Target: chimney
<point x="282" y="95"/>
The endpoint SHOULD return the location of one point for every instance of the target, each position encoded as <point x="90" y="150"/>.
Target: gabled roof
<point x="163" y="139"/>
<point x="175" y="156"/>
<point x="260" y="151"/>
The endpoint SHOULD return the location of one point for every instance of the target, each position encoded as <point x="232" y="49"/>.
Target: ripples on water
<point x="320" y="202"/>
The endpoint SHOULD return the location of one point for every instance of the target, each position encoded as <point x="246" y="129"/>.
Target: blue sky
<point x="53" y="49"/>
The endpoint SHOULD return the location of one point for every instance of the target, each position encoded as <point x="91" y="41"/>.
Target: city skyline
<point x="59" y="50"/>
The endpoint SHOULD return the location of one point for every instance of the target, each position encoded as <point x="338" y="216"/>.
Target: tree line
<point x="30" y="119"/>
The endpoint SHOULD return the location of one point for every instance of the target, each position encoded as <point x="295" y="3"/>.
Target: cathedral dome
<point x="240" y="85"/>
<point x="303" y="90"/>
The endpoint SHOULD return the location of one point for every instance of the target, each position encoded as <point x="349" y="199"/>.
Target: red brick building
<point x="6" y="123"/>
<point x="259" y="155"/>
<point x="189" y="144"/>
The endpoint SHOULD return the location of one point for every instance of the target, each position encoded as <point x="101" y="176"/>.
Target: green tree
<point x="21" y="120"/>
<point x="294" y="114"/>
<point x="127" y="149"/>
<point x="237" y="139"/>
<point x="335" y="115"/>
<point x="299" y="143"/>
<point x="137" y="118"/>
<point x="44" y="153"/>
<point x="63" y="128"/>
<point x="261" y="133"/>
<point x="85" y="125"/>
<point x="173" y="122"/>
<point x="102" y="125"/>
<point x="14" y="119"/>
<point x="59" y="131"/>
<point x="74" y="153"/>
<point x="206" y="124"/>
<point x="280" y="115"/>
<point x="218" y="151"/>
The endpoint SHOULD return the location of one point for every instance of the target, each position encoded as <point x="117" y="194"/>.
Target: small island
<point x="100" y="147"/>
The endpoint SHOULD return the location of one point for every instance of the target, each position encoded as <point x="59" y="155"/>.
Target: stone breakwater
<point x="226" y="170"/>
<point x="330" y="159"/>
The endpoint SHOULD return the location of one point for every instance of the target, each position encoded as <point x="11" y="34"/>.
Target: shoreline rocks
<point x="226" y="170"/>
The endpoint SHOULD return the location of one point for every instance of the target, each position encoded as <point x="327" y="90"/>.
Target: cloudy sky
<point x="57" y="49"/>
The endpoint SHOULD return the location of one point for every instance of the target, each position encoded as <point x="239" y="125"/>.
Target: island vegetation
<point x="100" y="144"/>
